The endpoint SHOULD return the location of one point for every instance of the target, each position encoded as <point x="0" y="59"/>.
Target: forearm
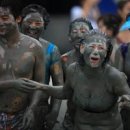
<point x="55" y="91"/>
<point x="55" y="103"/>
<point x="35" y="99"/>
<point x="7" y="84"/>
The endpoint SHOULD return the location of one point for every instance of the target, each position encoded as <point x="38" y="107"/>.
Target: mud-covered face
<point x="7" y="22"/>
<point x="78" y="30"/>
<point x="94" y="54"/>
<point x="33" y="25"/>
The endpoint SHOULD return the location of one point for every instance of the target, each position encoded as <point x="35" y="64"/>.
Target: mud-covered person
<point x="77" y="30"/>
<point x="35" y="19"/>
<point x="20" y="56"/>
<point x="95" y="87"/>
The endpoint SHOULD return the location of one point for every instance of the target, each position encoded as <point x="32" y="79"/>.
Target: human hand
<point x="35" y="85"/>
<point x="28" y="119"/>
<point x="124" y="102"/>
<point x="21" y="85"/>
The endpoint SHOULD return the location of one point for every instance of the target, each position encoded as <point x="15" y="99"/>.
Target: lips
<point x="94" y="60"/>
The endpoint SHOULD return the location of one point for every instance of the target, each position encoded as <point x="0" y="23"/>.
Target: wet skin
<point x="33" y="25"/>
<point x="20" y="56"/>
<point x="94" y="89"/>
<point x="78" y="30"/>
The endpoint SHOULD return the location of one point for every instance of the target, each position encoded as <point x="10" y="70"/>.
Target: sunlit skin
<point x="20" y="56"/>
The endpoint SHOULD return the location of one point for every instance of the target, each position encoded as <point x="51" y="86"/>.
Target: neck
<point x="11" y="38"/>
<point x="94" y="72"/>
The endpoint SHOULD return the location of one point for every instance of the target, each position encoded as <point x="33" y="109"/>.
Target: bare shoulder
<point x="29" y="41"/>
<point x="73" y="68"/>
<point x="43" y="42"/>
<point x="114" y="75"/>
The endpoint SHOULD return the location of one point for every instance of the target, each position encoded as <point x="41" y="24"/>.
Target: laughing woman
<point x="94" y="86"/>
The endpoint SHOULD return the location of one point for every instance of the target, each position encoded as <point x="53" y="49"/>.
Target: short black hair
<point x="35" y="8"/>
<point x="84" y="20"/>
<point x="122" y="3"/>
<point x="112" y="22"/>
<point x="15" y="7"/>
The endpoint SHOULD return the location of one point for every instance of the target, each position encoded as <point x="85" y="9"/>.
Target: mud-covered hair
<point x="97" y="36"/>
<point x="35" y="8"/>
<point x="14" y="7"/>
<point x="84" y="20"/>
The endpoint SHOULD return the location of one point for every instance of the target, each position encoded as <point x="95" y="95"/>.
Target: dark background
<point x="63" y="6"/>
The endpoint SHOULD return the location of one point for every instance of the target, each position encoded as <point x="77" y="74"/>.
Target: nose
<point x="32" y="24"/>
<point x="95" y="52"/>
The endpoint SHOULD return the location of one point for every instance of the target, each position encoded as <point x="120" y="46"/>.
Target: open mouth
<point x="94" y="60"/>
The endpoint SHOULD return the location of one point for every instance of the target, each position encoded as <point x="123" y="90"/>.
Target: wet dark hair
<point x="112" y="22"/>
<point x="35" y="8"/>
<point x="14" y="7"/>
<point x="84" y="20"/>
<point x="122" y="3"/>
<point x="96" y="34"/>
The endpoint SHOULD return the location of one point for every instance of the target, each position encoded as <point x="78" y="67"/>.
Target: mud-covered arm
<point x="60" y="92"/>
<point x="120" y="84"/>
<point x="17" y="84"/>
<point x="118" y="60"/>
<point x="64" y="59"/>
<point x="38" y="74"/>
<point x="57" y="79"/>
<point x="122" y="89"/>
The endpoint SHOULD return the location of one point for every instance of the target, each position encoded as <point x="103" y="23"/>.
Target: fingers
<point x="26" y="89"/>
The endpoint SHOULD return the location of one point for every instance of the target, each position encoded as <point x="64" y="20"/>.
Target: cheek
<point x="103" y="54"/>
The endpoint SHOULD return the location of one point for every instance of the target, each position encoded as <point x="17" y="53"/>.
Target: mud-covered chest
<point x="17" y="60"/>
<point x="92" y="93"/>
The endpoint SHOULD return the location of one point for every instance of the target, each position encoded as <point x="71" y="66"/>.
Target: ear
<point x="18" y="19"/>
<point x="82" y="48"/>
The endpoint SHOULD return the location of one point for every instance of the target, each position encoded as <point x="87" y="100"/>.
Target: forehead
<point x="4" y="11"/>
<point x="33" y="16"/>
<point x="97" y="43"/>
<point x="79" y="25"/>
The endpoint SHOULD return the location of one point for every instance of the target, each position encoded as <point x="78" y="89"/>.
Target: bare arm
<point x="120" y="85"/>
<point x="118" y="60"/>
<point x="57" y="78"/>
<point x="38" y="75"/>
<point x="59" y="92"/>
<point x="9" y="84"/>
